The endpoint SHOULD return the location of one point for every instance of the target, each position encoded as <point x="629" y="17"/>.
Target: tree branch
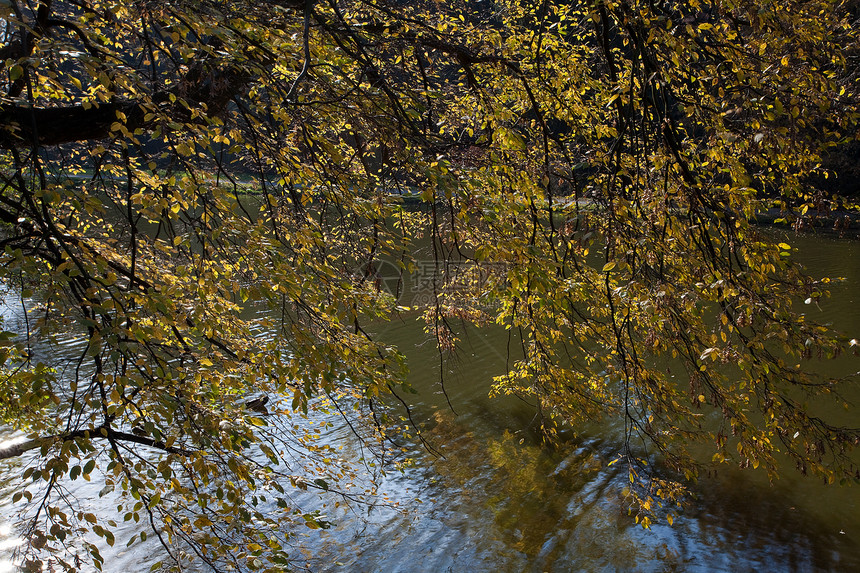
<point x="49" y="126"/>
<point x="57" y="125"/>
<point x="21" y="448"/>
<point x="307" y="50"/>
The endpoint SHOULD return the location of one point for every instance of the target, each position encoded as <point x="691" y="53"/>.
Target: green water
<point x="499" y="500"/>
<point x="492" y="497"/>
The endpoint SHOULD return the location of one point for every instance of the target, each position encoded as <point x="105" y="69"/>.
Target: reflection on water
<point x="497" y="499"/>
<point x="10" y="475"/>
<point x="500" y="502"/>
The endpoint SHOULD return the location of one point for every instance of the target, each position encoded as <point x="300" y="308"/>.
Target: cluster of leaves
<point x="144" y="211"/>
<point x="169" y="169"/>
<point x="667" y="128"/>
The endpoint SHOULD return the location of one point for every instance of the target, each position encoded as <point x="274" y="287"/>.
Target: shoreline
<point x="840" y="224"/>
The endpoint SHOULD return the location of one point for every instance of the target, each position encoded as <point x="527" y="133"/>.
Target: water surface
<point x="495" y="498"/>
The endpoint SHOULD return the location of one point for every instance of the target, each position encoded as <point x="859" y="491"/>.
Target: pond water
<point x="495" y="499"/>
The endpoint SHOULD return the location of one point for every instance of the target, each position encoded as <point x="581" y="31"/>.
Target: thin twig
<point x="307" y="48"/>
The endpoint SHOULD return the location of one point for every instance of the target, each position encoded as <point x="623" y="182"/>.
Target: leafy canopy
<point x="594" y="169"/>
